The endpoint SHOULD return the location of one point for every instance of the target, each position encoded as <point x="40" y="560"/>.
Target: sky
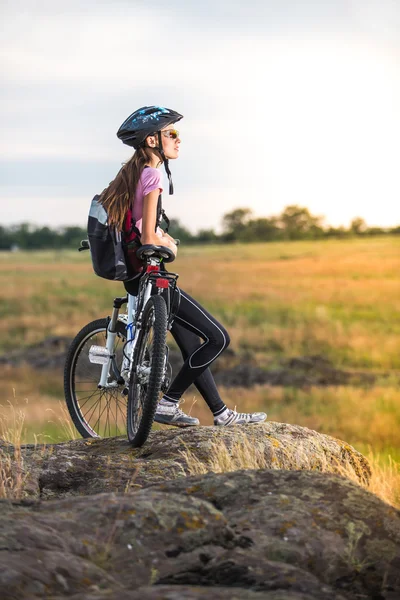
<point x="284" y="102"/>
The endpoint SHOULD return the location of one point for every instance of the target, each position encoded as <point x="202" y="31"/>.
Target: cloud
<point x="291" y="101"/>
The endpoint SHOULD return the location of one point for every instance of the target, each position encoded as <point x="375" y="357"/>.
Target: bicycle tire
<point x="143" y="395"/>
<point x="110" y="420"/>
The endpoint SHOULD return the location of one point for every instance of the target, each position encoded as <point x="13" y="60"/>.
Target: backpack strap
<point x="161" y="215"/>
<point x="130" y="226"/>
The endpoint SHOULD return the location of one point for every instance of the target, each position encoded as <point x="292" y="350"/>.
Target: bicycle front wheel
<point x="148" y="371"/>
<point x="95" y="412"/>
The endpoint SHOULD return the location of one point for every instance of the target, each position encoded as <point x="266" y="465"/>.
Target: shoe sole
<point x="163" y="421"/>
<point x="243" y="423"/>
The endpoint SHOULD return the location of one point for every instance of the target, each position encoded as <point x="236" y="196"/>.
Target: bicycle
<point x="117" y="367"/>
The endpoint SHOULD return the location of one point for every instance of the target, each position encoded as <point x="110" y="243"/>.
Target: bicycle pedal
<point x="99" y="355"/>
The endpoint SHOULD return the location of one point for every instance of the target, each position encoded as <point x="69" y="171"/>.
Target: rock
<point x="84" y="467"/>
<point x="319" y="523"/>
<point x="271" y="534"/>
<point x="109" y="541"/>
<point x="183" y="592"/>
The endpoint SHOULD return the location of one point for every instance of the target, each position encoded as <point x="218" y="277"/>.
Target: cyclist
<point x="201" y="339"/>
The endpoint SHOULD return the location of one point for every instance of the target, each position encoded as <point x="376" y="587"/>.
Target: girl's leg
<point x="188" y="342"/>
<point x="193" y="318"/>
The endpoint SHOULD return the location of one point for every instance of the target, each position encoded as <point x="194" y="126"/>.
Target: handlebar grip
<point x="84" y="245"/>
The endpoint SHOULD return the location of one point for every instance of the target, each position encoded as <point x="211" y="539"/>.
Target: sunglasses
<point x="171" y="133"/>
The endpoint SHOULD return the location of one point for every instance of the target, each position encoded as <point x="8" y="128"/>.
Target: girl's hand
<point x="168" y="241"/>
<point x="165" y="234"/>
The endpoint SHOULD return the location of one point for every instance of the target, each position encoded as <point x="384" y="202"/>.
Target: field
<point x="339" y="300"/>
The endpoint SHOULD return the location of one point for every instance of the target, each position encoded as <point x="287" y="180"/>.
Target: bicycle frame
<point x="132" y="320"/>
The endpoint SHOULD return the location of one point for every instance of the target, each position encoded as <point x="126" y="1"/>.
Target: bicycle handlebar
<point x="84" y="245"/>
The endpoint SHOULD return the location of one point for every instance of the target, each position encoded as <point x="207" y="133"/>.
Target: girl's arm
<point x="149" y="219"/>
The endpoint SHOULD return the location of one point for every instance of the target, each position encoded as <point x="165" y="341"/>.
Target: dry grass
<point x="364" y="417"/>
<point x="384" y="481"/>
<point x="13" y="431"/>
<point x="12" y="472"/>
<point x="40" y="396"/>
<point x="336" y="298"/>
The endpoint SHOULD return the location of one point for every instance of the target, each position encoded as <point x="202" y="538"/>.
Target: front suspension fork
<point x="110" y="345"/>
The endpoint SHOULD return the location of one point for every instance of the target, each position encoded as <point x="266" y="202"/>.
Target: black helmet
<point x="145" y="121"/>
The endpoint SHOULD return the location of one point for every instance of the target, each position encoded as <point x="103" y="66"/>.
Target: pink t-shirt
<point x="149" y="181"/>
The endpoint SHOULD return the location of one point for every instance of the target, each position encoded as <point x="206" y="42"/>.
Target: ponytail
<point x="120" y="194"/>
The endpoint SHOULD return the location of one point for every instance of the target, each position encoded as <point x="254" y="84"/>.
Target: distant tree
<point x="297" y="222"/>
<point x="358" y="226"/>
<point x="375" y="231"/>
<point x="177" y="230"/>
<point x="261" y="230"/>
<point x="234" y="223"/>
<point x="206" y="236"/>
<point x="6" y="239"/>
<point x="336" y="232"/>
<point x="21" y="235"/>
<point x="71" y="236"/>
<point x="43" y="237"/>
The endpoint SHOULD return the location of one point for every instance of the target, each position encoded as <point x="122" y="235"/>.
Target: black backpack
<point x="114" y="252"/>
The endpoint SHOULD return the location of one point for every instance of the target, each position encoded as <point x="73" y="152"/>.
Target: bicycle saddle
<point x="149" y="250"/>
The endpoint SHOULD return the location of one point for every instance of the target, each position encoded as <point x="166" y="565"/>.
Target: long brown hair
<point x="120" y="194"/>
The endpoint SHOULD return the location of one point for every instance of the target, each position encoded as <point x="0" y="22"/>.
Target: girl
<point x="201" y="339"/>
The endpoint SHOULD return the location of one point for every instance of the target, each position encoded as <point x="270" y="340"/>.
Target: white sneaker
<point x="231" y="417"/>
<point x="169" y="413"/>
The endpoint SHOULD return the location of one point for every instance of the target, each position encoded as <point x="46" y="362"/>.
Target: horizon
<point x="218" y="230"/>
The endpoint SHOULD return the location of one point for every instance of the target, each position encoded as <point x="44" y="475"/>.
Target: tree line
<point x="240" y="225"/>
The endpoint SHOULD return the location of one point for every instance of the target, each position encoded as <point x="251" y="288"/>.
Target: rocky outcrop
<point x="250" y="534"/>
<point x="98" y="520"/>
<point x="91" y="466"/>
<point x="318" y="523"/>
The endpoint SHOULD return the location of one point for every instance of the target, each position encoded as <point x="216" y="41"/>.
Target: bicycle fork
<point x="106" y="355"/>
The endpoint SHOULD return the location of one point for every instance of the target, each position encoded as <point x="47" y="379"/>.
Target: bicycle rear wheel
<point x="95" y="412"/>
<point x="148" y="371"/>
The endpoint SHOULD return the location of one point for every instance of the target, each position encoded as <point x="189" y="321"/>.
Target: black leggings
<point x="191" y="325"/>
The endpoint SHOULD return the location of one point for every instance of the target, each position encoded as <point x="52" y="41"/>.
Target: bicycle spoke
<point x="94" y="409"/>
<point x="107" y="421"/>
<point x="87" y="398"/>
<point x="100" y="415"/>
<point x="122" y="411"/>
<point x="114" y="416"/>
